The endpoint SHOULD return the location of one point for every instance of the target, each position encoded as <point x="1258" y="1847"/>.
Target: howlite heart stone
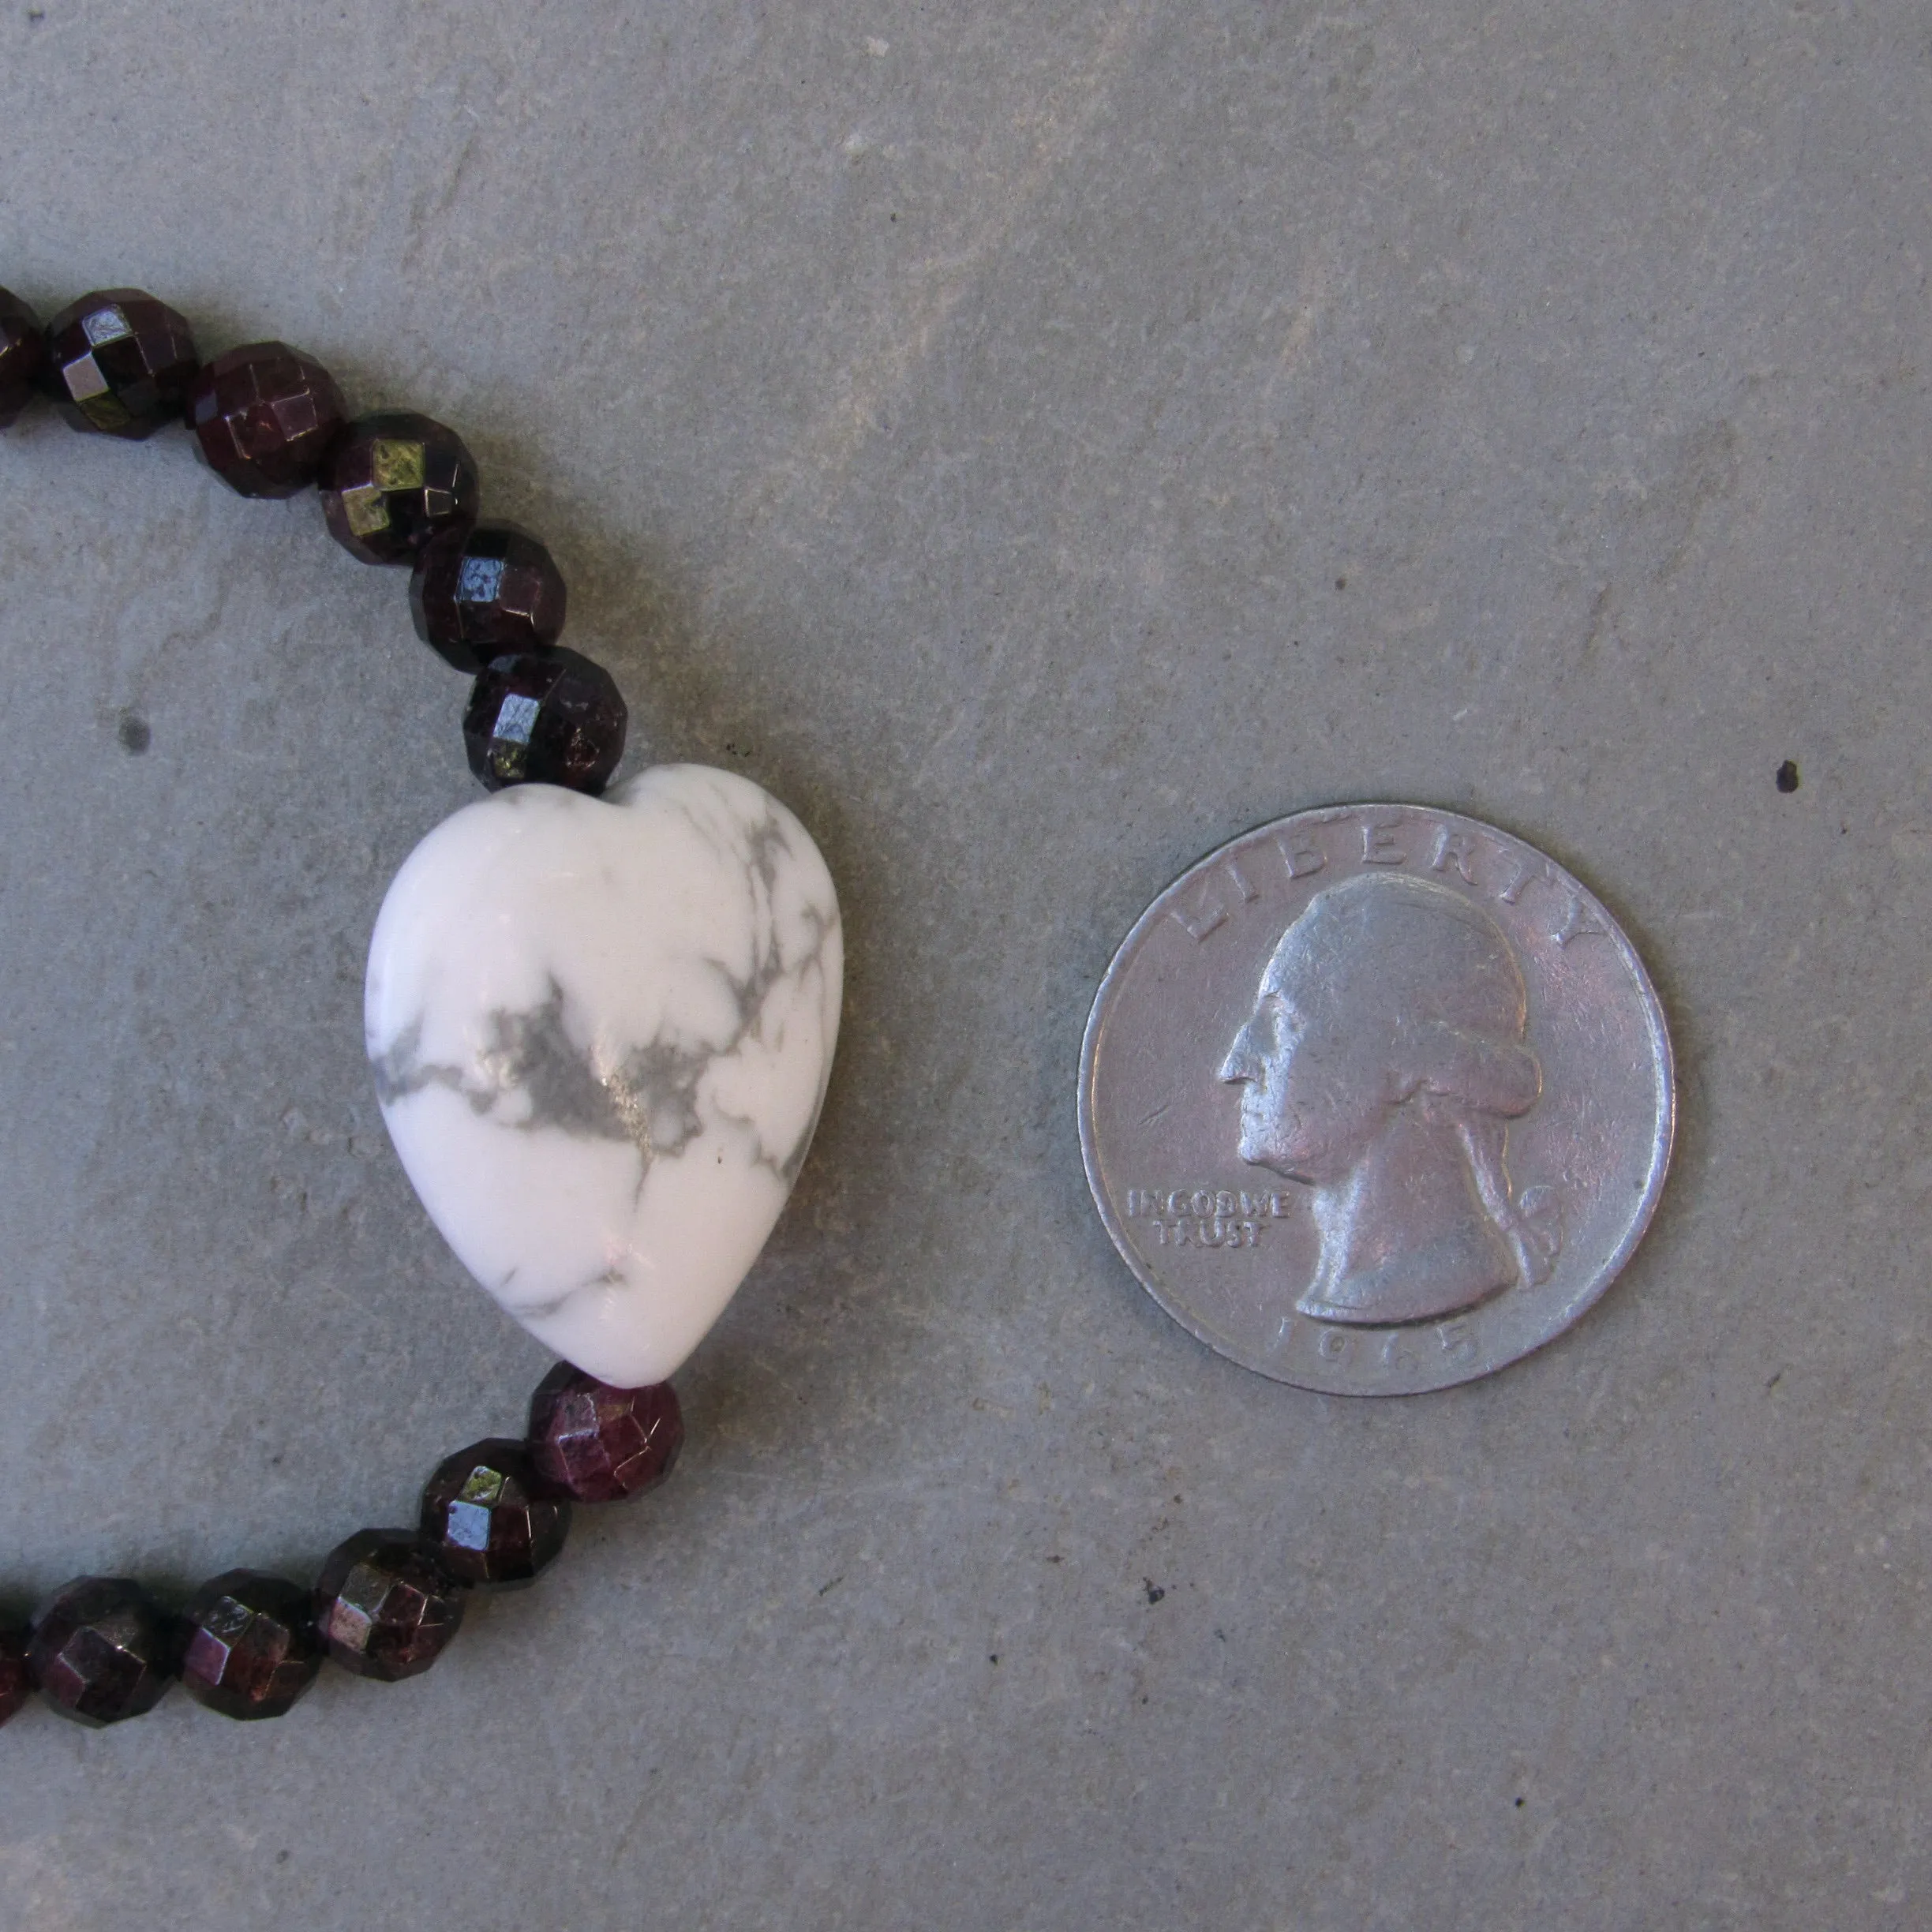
<point x="601" y="1030"/>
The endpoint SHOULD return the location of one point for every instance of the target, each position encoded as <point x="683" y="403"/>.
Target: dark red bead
<point x="482" y="593"/>
<point x="595" y="1443"/>
<point x="265" y="417"/>
<point x="119" y="363"/>
<point x="15" y="1679"/>
<point x="544" y="717"/>
<point x="487" y="1516"/>
<point x="23" y="355"/>
<point x="103" y="1649"/>
<point x="393" y="481"/>
<point x="384" y="1607"/>
<point x="252" y="1648"/>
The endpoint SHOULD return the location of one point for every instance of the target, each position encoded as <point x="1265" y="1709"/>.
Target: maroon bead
<point x="482" y="593"/>
<point x="118" y="362"/>
<point x="595" y="1443"/>
<point x="384" y="1607"/>
<point x="265" y="417"/>
<point x="394" y="481"/>
<point x="23" y="355"/>
<point x="544" y="717"/>
<point x="102" y="1650"/>
<point x="15" y="1679"/>
<point x="485" y="1514"/>
<point x="252" y="1648"/>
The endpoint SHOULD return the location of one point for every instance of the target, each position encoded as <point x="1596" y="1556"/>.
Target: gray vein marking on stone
<point x="400" y="1069"/>
<point x="649" y="1103"/>
<point x="762" y="846"/>
<point x="532" y="1053"/>
<point x="554" y="1305"/>
<point x="750" y="993"/>
<point x="657" y="1091"/>
<point x="765" y="843"/>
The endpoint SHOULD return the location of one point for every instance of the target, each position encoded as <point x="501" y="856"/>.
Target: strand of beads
<point x="387" y="1602"/>
<point x="396" y="488"/>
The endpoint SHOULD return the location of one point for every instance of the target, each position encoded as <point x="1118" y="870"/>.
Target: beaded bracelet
<point x="399" y="488"/>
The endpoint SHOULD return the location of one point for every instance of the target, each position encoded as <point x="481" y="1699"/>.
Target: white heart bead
<point x="601" y="1031"/>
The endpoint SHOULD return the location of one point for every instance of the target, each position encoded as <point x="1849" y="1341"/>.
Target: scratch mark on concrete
<point x="1305" y="307"/>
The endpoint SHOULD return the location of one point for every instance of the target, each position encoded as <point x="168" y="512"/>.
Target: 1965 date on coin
<point x="1375" y="1100"/>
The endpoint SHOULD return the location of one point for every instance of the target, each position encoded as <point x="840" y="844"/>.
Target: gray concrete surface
<point x="1039" y="441"/>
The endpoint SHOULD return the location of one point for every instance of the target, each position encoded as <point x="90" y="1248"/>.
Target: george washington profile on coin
<point x="1381" y="1067"/>
<point x="1376" y="1098"/>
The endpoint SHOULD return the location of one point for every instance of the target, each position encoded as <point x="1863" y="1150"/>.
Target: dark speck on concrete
<point x="1341" y="583"/>
<point x="36" y="15"/>
<point x="1787" y="776"/>
<point x="133" y="733"/>
<point x="1154" y="1592"/>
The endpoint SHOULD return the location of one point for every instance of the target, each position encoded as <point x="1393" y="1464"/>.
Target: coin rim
<point x="1663" y="1143"/>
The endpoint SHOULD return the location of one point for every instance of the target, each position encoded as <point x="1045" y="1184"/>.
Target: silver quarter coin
<point x="1375" y="1100"/>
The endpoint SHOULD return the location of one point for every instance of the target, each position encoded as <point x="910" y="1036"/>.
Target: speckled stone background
<point x="1039" y="441"/>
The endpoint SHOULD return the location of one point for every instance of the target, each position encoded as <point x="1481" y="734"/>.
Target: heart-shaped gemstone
<point x="601" y="1030"/>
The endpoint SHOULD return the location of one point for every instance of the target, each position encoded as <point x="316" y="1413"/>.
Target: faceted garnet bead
<point x="595" y="1443"/>
<point x="487" y="1514"/>
<point x="265" y="416"/>
<point x="23" y="355"/>
<point x="480" y="594"/>
<point x="16" y="1680"/>
<point x="544" y="717"/>
<point x="394" y="481"/>
<point x="102" y="1649"/>
<point x="252" y="1648"/>
<point x="384" y="1607"/>
<point x="118" y="362"/>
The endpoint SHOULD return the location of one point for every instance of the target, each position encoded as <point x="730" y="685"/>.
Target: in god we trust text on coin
<point x="1375" y="1100"/>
